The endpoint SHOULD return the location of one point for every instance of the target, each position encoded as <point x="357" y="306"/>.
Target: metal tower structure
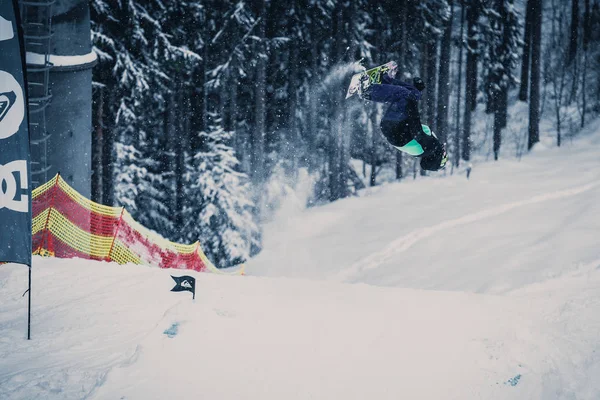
<point x="36" y="20"/>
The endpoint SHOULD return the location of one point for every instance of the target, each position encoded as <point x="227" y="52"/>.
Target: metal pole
<point x="29" y="308"/>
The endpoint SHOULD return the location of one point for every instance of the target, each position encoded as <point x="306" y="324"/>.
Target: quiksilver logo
<point x="12" y="106"/>
<point x="11" y="192"/>
<point x="6" y="102"/>
<point x="186" y="284"/>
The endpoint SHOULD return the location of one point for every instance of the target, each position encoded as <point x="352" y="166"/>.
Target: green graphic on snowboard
<point x="374" y="75"/>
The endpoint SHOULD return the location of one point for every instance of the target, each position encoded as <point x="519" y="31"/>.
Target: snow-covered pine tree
<point x="135" y="53"/>
<point x="220" y="210"/>
<point x="142" y="190"/>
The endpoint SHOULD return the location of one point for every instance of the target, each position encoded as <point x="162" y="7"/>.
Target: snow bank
<point x="104" y="331"/>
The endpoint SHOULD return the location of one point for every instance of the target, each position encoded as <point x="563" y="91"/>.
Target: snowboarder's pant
<point x="400" y="133"/>
<point x="396" y="132"/>
<point x="384" y="93"/>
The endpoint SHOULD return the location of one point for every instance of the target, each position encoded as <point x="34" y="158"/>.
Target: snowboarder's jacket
<point x="401" y="123"/>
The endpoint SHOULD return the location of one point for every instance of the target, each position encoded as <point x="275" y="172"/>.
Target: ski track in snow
<point x="405" y="242"/>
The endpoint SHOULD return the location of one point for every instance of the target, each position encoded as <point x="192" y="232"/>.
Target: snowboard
<point x="371" y="76"/>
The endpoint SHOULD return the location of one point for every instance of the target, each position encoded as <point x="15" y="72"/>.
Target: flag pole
<point x="29" y="308"/>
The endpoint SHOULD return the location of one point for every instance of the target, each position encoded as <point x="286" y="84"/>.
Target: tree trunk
<point x="293" y="145"/>
<point x="587" y="25"/>
<point x="534" y="104"/>
<point x="337" y="171"/>
<point x="97" y="143"/>
<point x="403" y="46"/>
<point x="257" y="171"/>
<point x="423" y="109"/>
<point x="583" y="90"/>
<point x="444" y="80"/>
<point x="181" y="145"/>
<point x="431" y="81"/>
<point x="574" y="36"/>
<point x="526" y="63"/>
<point x="470" y="77"/>
<point x="587" y="33"/>
<point x="173" y="133"/>
<point x="461" y="44"/>
<point x="500" y="101"/>
<point x="403" y="36"/>
<point x="399" y="172"/>
<point x="473" y="12"/>
<point x="233" y="112"/>
<point x="348" y="54"/>
<point x="500" y="119"/>
<point x="423" y="68"/>
<point x="373" y="136"/>
<point x="108" y="143"/>
<point x="313" y="102"/>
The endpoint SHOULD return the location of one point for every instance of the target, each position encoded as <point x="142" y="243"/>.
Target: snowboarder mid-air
<point x="401" y="124"/>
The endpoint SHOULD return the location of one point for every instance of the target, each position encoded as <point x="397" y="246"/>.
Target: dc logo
<point x="12" y="106"/>
<point x="9" y="190"/>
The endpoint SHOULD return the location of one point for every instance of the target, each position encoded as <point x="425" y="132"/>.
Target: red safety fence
<point x="66" y="224"/>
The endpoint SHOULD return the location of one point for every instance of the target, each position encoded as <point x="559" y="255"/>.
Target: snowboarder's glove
<point x="364" y="87"/>
<point x="419" y="84"/>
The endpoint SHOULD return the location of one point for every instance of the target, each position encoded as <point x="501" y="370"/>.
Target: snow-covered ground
<point x="487" y="288"/>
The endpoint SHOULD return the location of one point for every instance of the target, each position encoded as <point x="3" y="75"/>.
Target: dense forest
<point x="205" y="112"/>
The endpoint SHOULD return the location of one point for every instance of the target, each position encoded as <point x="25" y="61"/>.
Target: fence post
<point x="116" y="233"/>
<point x="46" y="238"/>
<point x="198" y="258"/>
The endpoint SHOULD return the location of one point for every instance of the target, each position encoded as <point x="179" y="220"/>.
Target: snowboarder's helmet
<point x="436" y="160"/>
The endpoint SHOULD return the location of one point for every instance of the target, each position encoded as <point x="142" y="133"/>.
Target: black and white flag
<point x="184" y="283"/>
<point x="15" y="192"/>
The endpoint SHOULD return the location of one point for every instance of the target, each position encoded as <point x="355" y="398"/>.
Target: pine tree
<point x="219" y="212"/>
<point x="133" y="51"/>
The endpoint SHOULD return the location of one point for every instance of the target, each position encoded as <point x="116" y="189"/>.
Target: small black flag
<point x="183" y="283"/>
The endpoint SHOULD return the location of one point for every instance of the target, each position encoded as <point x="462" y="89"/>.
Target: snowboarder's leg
<point x="387" y="93"/>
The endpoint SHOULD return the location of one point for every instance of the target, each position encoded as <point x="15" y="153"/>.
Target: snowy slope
<point x="512" y="224"/>
<point x="435" y="289"/>
<point x="102" y="332"/>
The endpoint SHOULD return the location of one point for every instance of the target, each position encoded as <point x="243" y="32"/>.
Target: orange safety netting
<point x="66" y="224"/>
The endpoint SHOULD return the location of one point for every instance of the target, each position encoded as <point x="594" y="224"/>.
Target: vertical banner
<point x="15" y="193"/>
